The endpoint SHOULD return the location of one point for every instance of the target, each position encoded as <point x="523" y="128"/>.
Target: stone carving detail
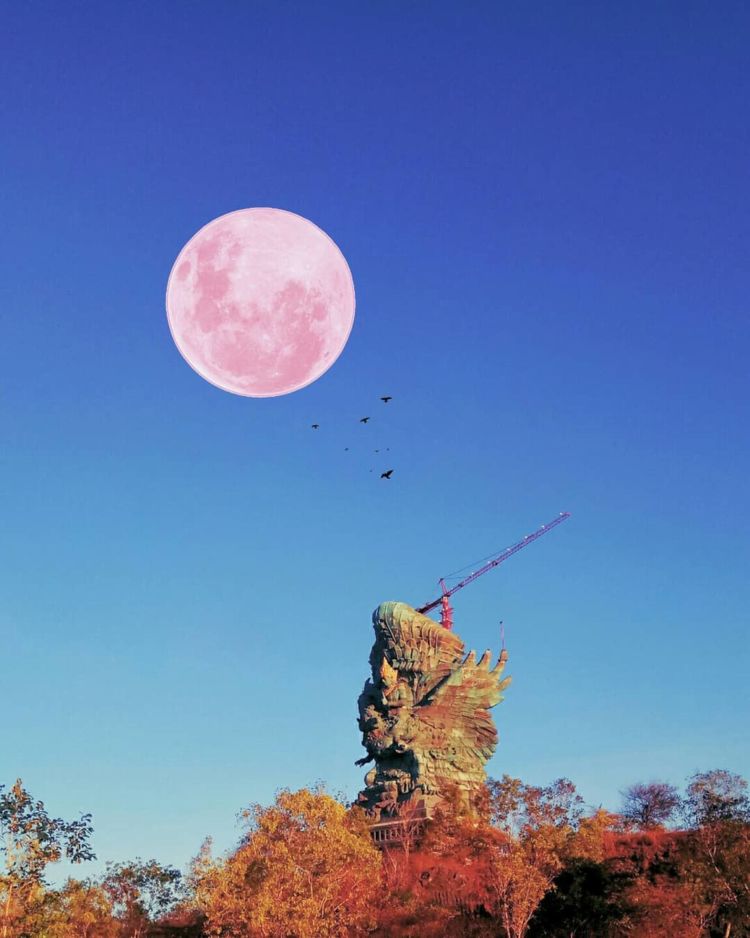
<point x="424" y="713"/>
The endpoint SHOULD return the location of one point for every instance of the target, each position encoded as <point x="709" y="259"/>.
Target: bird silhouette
<point x="386" y="475"/>
<point x="377" y="450"/>
<point x="346" y="449"/>
<point x="364" y="419"/>
<point x="386" y="398"/>
<point x="315" y="426"/>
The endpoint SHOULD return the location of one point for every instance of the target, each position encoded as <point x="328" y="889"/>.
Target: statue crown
<point x="412" y="641"/>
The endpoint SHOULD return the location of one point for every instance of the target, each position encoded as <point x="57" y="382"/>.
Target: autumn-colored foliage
<point x="306" y="867"/>
<point x="515" y="861"/>
<point x="31" y="840"/>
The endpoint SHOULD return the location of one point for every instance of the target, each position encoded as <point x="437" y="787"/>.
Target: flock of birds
<point x="385" y="399"/>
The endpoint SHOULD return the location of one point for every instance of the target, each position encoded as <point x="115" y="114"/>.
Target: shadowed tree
<point x="650" y="804"/>
<point x="588" y="899"/>
<point x="141" y="892"/>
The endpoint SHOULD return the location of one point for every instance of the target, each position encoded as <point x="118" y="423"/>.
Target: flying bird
<point x="315" y="426"/>
<point x="386" y="398"/>
<point x="386" y="475"/>
<point x="364" y="419"/>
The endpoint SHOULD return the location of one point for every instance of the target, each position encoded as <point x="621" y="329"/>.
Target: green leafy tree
<point x="29" y="841"/>
<point x="713" y="796"/>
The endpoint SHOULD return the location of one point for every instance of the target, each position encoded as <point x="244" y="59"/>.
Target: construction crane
<point x="446" y="612"/>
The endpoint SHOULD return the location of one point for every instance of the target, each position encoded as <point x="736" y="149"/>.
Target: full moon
<point x="260" y="302"/>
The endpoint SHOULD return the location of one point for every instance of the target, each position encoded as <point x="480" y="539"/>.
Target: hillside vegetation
<point x="520" y="861"/>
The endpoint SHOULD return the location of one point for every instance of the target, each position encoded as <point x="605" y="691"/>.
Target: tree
<point x="29" y="841"/>
<point x="306" y="867"/>
<point x="714" y="796"/>
<point x="141" y="892"/>
<point x="518" y="808"/>
<point x="544" y="820"/>
<point x="519" y="882"/>
<point x="80" y="909"/>
<point x="662" y="905"/>
<point x="651" y="804"/>
<point x="715" y="866"/>
<point x="717" y="809"/>
<point x="409" y="822"/>
<point x="588" y="840"/>
<point x="511" y="848"/>
<point x="588" y="898"/>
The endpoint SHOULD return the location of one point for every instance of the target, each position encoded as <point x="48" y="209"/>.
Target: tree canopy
<point x="515" y="861"/>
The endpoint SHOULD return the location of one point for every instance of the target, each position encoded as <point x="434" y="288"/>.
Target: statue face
<point x="388" y="726"/>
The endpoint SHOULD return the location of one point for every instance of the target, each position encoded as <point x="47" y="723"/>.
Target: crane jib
<point x="496" y="561"/>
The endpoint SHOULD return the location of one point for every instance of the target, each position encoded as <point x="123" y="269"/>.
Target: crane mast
<point x="446" y="614"/>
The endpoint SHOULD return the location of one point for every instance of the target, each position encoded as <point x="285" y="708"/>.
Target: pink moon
<point x="260" y="302"/>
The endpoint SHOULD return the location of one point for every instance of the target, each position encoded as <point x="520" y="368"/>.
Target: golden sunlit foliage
<point x="515" y="861"/>
<point x="30" y="840"/>
<point x="306" y="868"/>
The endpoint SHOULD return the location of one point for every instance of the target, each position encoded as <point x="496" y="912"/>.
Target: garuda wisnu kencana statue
<point x="424" y="714"/>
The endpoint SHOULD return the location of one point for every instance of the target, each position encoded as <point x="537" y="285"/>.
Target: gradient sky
<point x="545" y="212"/>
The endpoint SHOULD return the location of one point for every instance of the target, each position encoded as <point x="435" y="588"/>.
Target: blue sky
<point x="545" y="212"/>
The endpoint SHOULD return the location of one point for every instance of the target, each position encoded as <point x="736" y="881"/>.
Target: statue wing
<point x="463" y="698"/>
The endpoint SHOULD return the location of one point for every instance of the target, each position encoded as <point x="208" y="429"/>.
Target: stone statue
<point x="424" y="714"/>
